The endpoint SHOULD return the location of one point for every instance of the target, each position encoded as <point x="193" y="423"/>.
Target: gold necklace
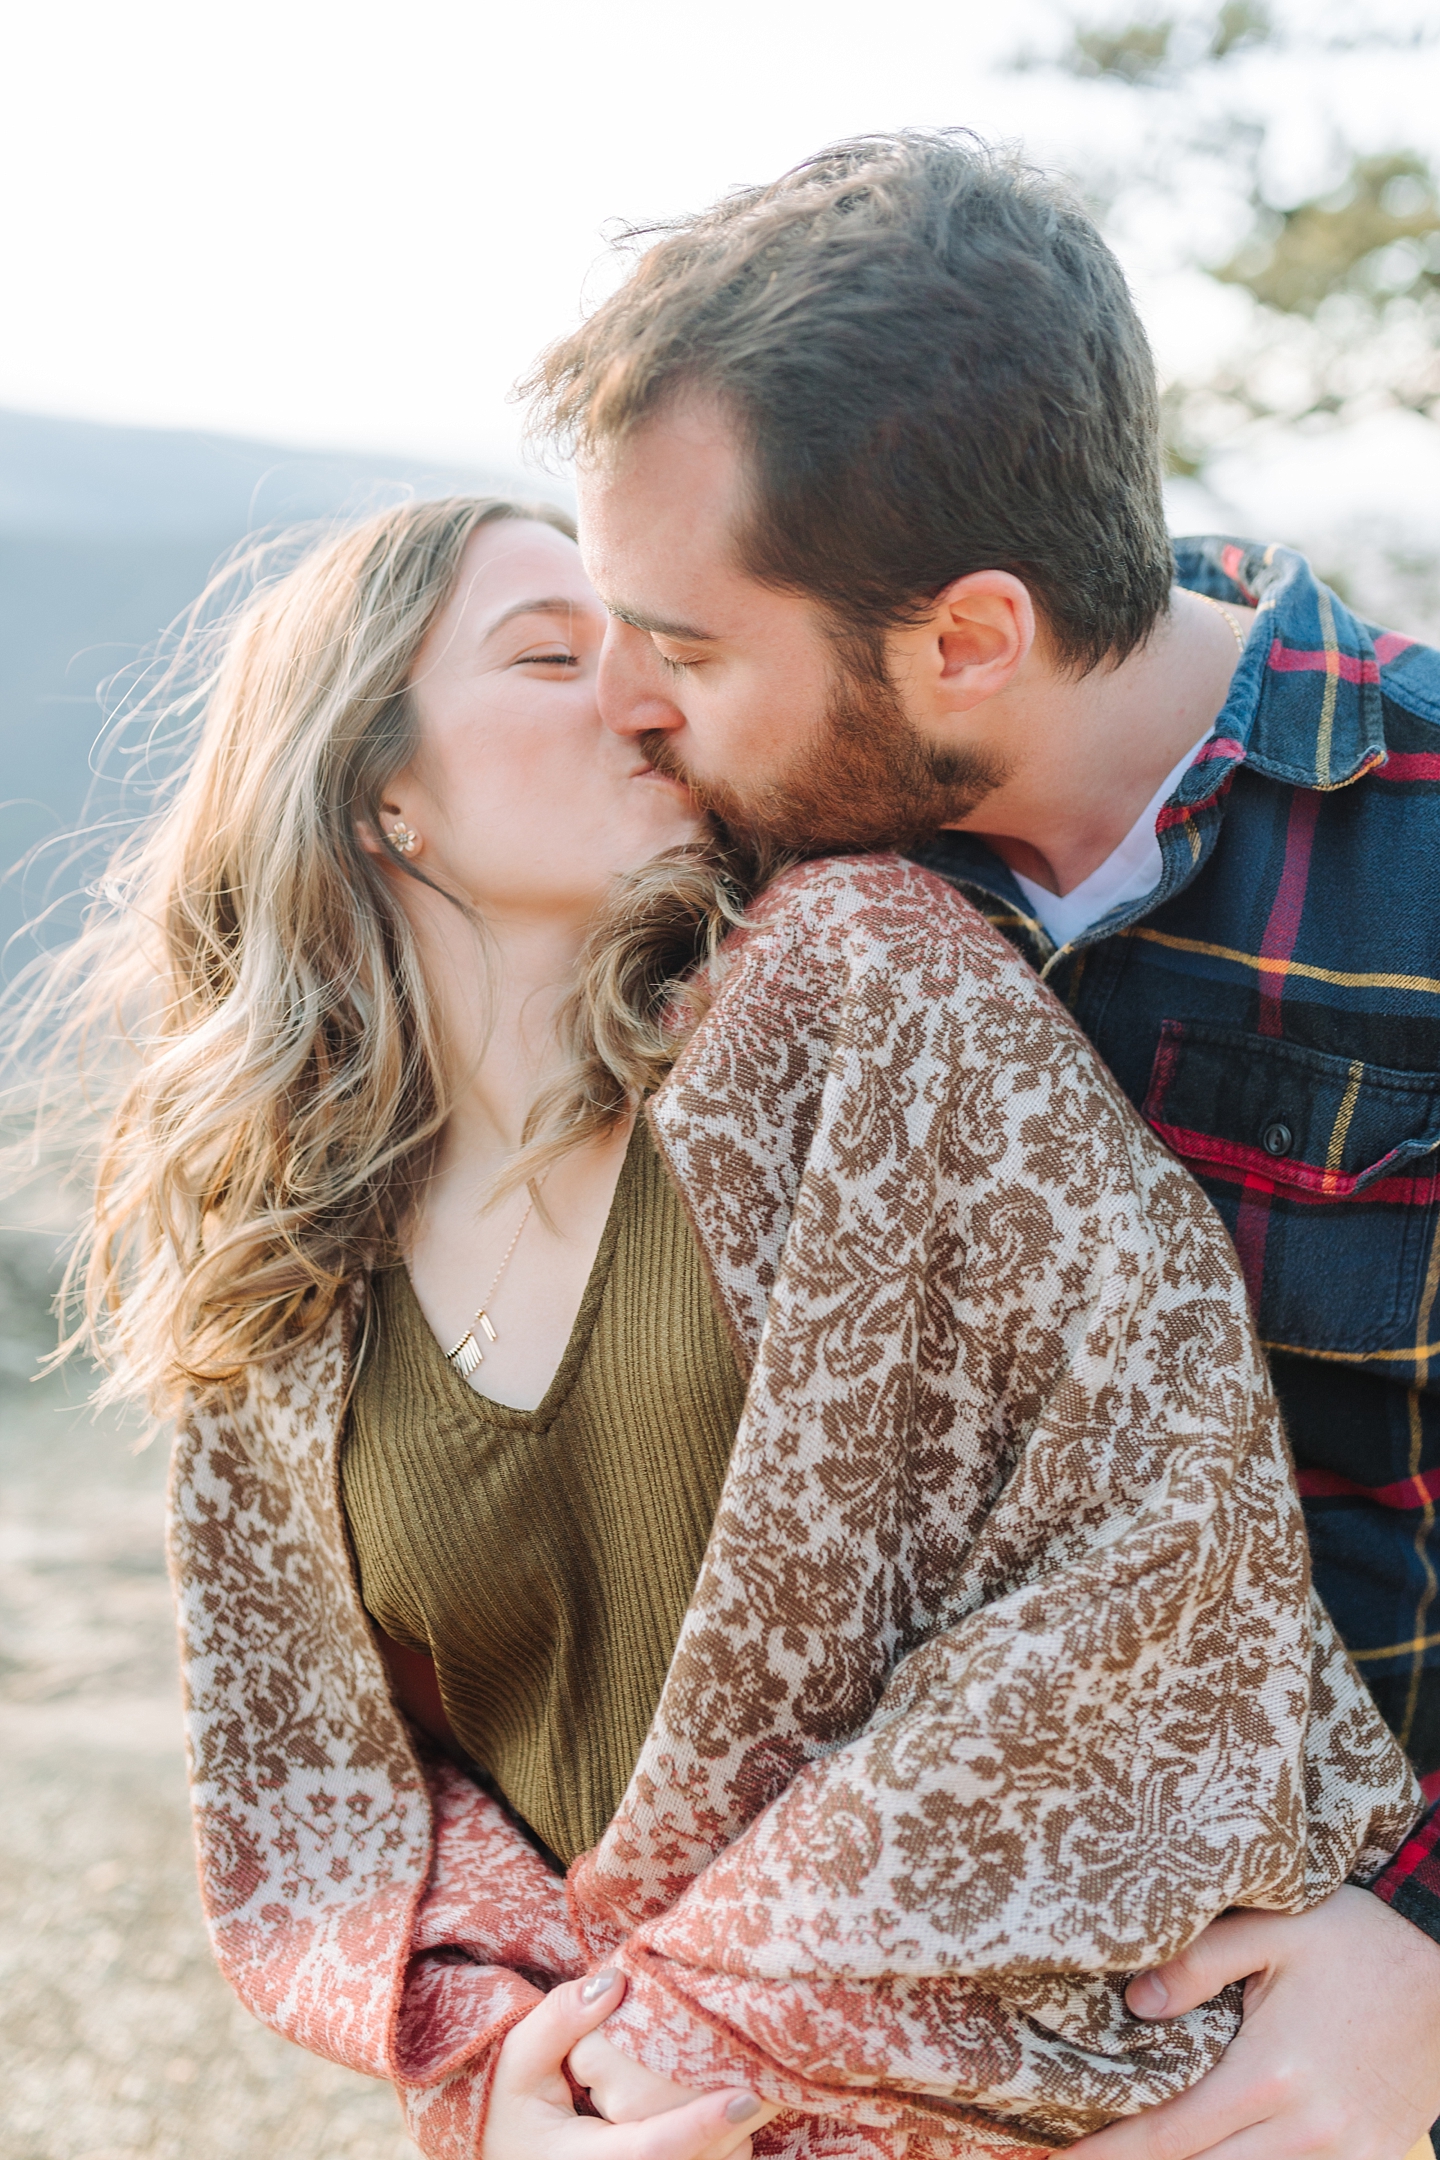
<point x="467" y="1355"/>
<point x="1236" y="632"/>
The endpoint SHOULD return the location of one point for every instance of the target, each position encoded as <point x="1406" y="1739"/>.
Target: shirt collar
<point x="1304" y="708"/>
<point x="1304" y="704"/>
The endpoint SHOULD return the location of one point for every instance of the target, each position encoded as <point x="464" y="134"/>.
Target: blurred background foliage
<point x="1337" y="283"/>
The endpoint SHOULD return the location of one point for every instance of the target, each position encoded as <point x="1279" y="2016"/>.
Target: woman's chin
<point x="678" y="833"/>
<point x="675" y="820"/>
<point x="667" y="788"/>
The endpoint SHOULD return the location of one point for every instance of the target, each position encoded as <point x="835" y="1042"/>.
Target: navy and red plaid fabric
<point x="1273" y="1008"/>
<point x="1411" y="1883"/>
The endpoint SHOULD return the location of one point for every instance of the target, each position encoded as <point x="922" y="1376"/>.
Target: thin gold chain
<point x="467" y="1353"/>
<point x="1236" y="632"/>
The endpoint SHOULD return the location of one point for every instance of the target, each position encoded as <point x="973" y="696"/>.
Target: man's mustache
<point x="868" y="780"/>
<point x="659" y="752"/>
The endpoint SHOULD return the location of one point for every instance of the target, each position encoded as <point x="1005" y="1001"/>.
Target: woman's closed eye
<point x="559" y="657"/>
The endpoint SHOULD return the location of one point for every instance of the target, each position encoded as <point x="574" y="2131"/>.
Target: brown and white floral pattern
<point x="1002" y="1676"/>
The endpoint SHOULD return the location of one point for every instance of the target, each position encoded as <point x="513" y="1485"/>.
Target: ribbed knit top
<point x="545" y="1558"/>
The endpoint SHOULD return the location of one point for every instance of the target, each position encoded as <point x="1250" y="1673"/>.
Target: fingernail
<point x="1147" y="1996"/>
<point x="597" y="1985"/>
<point x="742" y="2107"/>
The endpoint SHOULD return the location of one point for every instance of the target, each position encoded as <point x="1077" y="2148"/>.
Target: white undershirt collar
<point x="1131" y="871"/>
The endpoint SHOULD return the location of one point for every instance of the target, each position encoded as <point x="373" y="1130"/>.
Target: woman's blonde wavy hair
<point x="246" y="1002"/>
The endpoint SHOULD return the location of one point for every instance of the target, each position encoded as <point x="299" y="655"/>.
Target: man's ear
<point x="971" y="645"/>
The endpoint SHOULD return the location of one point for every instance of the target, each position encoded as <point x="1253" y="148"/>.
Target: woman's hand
<point x="625" y="2091"/>
<point x="532" y="2116"/>
<point x="622" y="2089"/>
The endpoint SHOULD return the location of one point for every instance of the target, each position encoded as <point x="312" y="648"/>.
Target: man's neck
<point x="1084" y="758"/>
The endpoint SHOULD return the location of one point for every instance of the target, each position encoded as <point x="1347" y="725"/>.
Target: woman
<point x="838" y="1512"/>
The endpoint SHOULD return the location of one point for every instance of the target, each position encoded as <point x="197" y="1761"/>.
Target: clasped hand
<point x="1338" y="2057"/>
<point x="532" y="2115"/>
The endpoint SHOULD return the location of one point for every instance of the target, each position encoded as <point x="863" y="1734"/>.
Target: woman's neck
<point x="497" y="1001"/>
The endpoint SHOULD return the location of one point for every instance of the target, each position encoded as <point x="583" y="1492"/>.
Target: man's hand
<point x="1338" y="2057"/>
<point x="532" y="2116"/>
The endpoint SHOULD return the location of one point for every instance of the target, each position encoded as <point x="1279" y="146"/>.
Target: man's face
<point x="780" y="727"/>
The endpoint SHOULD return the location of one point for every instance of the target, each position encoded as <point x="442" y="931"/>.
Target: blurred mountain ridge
<point x="62" y="476"/>
<point x="107" y="534"/>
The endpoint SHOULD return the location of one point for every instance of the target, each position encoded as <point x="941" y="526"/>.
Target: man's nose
<point x="629" y="686"/>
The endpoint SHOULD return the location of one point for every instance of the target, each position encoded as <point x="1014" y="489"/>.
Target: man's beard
<point x="867" y="778"/>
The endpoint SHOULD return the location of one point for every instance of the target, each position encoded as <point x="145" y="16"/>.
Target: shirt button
<point x="1277" y="1138"/>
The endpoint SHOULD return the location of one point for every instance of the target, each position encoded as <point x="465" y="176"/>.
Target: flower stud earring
<point x="403" y="840"/>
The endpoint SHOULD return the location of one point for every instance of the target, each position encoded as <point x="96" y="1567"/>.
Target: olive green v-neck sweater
<point x="545" y="1558"/>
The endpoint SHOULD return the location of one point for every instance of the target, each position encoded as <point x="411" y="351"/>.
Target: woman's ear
<point x="394" y="837"/>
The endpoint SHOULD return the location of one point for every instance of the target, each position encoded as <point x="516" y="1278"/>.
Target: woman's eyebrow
<point x="557" y="606"/>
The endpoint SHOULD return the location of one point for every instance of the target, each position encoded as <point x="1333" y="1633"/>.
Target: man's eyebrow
<point x="653" y="626"/>
<point x="558" y="605"/>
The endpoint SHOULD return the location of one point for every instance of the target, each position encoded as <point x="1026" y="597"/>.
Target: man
<point x="869" y="481"/>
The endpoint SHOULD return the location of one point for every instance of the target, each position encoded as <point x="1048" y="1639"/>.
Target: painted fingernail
<point x="742" y="2107"/>
<point x="597" y="1985"/>
<point x="1147" y="1996"/>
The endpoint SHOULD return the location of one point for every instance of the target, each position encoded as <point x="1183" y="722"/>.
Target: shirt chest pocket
<point x="1326" y="1173"/>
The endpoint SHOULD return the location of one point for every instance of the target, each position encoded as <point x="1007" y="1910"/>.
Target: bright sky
<point x="354" y="224"/>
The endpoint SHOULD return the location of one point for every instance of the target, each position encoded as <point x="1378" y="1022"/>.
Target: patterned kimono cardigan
<point x="1002" y="1675"/>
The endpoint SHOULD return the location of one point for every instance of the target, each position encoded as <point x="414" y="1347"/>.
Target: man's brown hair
<point x="936" y="367"/>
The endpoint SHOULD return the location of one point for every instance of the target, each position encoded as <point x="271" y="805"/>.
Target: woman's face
<point x="523" y="801"/>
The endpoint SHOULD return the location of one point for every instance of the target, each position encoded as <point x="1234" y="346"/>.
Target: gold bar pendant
<point x="466" y="1355"/>
<point x="482" y="1319"/>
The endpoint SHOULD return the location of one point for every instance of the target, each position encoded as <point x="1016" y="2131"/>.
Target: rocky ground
<point x="118" y="2040"/>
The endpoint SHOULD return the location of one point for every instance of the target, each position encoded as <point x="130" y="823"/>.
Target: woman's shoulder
<point x="288" y="1406"/>
<point x="857" y="910"/>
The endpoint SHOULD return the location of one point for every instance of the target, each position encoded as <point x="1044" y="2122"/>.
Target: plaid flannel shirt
<point x="1273" y="1009"/>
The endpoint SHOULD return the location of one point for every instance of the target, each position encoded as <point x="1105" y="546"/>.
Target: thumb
<point x="537" y="2047"/>
<point x="704" y="2129"/>
<point x="1230" y="1949"/>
